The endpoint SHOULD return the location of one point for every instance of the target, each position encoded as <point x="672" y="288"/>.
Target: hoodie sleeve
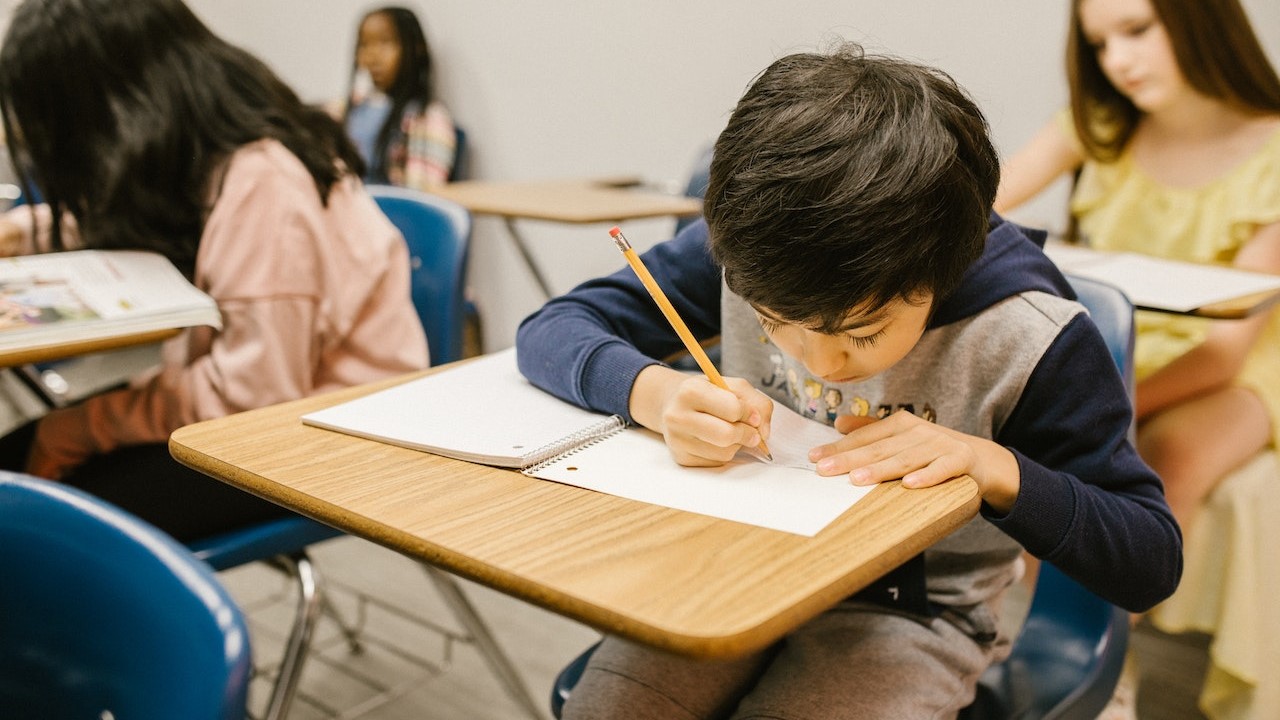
<point x="1088" y="503"/>
<point x="588" y="346"/>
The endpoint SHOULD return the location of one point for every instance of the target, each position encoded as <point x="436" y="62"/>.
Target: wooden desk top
<point x="24" y="356"/>
<point x="688" y="583"/>
<point x="568" y="201"/>
<point x="1235" y="309"/>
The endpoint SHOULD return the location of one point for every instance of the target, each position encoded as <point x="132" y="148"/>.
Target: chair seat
<point x="1065" y="662"/>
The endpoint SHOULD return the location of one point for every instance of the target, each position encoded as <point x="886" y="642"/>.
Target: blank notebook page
<point x="483" y="411"/>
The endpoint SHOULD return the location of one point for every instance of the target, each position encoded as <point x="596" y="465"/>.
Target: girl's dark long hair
<point x="1216" y="50"/>
<point x="123" y="113"/>
<point x="413" y="79"/>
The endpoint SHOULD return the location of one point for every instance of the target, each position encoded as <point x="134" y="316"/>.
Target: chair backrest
<point x="699" y="178"/>
<point x="1112" y="312"/>
<point x="102" y="615"/>
<point x="438" y="233"/>
<point x="460" y="155"/>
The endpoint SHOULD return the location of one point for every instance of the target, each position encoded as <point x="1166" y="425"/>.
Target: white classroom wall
<point x="556" y="88"/>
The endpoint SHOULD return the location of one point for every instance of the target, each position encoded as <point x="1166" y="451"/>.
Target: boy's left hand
<point x="920" y="452"/>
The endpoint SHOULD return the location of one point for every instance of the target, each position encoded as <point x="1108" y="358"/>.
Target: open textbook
<point x="94" y="294"/>
<point x="1160" y="284"/>
<point x="485" y="412"/>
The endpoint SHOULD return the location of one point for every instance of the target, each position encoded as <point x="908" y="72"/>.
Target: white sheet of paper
<point x="786" y="494"/>
<point x="1158" y="283"/>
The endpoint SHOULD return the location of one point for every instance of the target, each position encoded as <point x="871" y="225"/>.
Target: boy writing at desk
<point x="849" y="243"/>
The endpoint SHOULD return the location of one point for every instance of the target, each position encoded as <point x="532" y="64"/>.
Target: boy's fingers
<point x="848" y="423"/>
<point x="699" y="451"/>
<point x="750" y="436"/>
<point x="865" y="432"/>
<point x="718" y="402"/>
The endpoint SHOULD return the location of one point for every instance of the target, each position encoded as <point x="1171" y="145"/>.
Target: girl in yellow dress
<point x="1175" y="128"/>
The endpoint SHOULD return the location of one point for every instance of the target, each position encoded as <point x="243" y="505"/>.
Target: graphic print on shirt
<point x="813" y="399"/>
<point x="813" y="394"/>
<point x="832" y="397"/>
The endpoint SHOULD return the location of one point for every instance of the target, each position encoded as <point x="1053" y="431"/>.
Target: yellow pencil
<point x="690" y="343"/>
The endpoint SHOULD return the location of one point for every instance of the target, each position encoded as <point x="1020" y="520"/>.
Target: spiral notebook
<point x="485" y="412"/>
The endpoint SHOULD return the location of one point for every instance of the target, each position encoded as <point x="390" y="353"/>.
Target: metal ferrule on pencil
<point x="619" y="239"/>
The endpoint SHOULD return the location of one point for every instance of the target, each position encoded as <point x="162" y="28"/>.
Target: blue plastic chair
<point x="696" y="187"/>
<point x="438" y="233"/>
<point x="1066" y="660"/>
<point x="461" y="157"/>
<point x="102" y="615"/>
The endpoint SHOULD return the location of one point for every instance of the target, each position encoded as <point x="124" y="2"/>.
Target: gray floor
<point x="446" y="680"/>
<point x="432" y="675"/>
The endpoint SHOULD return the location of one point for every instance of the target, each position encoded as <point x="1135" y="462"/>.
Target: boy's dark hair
<point x="845" y="181"/>
<point x="413" y="83"/>
<point x="122" y="113"/>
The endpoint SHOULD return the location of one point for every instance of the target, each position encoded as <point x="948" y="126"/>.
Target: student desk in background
<point x="575" y="201"/>
<point x="61" y="351"/>
<point x="688" y="583"/>
<point x="1172" y="286"/>
<point x="65" y="304"/>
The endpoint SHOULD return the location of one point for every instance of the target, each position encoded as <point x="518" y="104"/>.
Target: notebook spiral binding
<point x="553" y="452"/>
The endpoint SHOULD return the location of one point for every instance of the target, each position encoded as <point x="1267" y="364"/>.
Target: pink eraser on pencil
<point x="615" y="231"/>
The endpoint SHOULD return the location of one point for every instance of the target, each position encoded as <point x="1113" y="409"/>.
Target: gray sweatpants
<point x="857" y="660"/>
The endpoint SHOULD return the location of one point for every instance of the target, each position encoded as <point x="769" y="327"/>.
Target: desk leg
<point x="48" y="386"/>
<point x="493" y="654"/>
<point x="518" y="239"/>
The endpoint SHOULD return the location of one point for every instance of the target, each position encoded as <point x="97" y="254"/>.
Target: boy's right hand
<point x="703" y="425"/>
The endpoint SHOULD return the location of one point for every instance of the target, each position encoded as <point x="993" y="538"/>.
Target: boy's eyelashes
<point x="866" y="341"/>
<point x="860" y="341"/>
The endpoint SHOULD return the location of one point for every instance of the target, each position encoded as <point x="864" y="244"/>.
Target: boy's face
<point x="870" y="342"/>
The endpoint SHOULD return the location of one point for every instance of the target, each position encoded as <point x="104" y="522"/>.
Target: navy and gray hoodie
<point x="1009" y="356"/>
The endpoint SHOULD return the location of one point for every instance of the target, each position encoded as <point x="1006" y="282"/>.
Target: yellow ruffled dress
<point x="1231" y="583"/>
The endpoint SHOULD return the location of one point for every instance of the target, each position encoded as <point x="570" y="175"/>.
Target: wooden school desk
<point x="577" y="201"/>
<point x="1161" y="284"/>
<point x="63" y="350"/>
<point x="688" y="583"/>
<point x="1235" y="309"/>
<point x="21" y="362"/>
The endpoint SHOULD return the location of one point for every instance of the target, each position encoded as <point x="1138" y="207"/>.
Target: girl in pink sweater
<point x="144" y="130"/>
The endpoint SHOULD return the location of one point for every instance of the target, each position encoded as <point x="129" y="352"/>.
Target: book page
<point x="483" y="411"/>
<point x="89" y="294"/>
<point x="786" y="495"/>
<point x="1158" y="283"/>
